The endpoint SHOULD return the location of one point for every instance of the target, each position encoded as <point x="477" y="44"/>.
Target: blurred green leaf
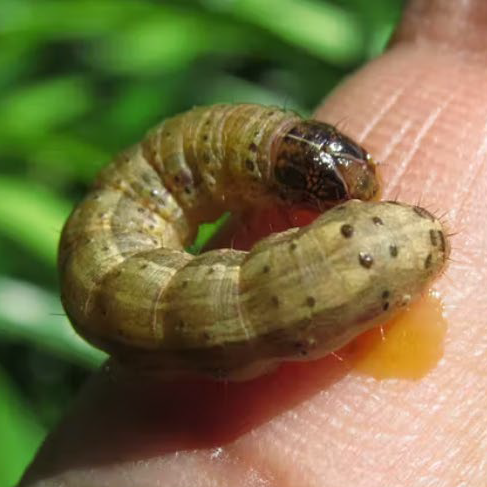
<point x="32" y="216"/>
<point x="41" y="106"/>
<point x="166" y="41"/>
<point x="67" y="157"/>
<point x="322" y="28"/>
<point x="230" y="89"/>
<point x="34" y="316"/>
<point x="20" y="434"/>
<point x="58" y="19"/>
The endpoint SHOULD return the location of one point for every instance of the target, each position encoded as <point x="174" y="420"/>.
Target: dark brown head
<point x="315" y="164"/>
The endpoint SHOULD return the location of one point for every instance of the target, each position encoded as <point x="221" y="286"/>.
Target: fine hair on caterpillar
<point x="129" y="287"/>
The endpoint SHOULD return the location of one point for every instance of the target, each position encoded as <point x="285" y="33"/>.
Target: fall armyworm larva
<point x="130" y="288"/>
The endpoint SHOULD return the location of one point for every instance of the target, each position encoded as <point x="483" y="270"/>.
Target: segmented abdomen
<point x="129" y="287"/>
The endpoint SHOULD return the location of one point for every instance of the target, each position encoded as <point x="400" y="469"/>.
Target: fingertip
<point x="445" y="24"/>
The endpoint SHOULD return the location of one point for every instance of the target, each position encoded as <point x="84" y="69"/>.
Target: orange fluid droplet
<point x="408" y="347"/>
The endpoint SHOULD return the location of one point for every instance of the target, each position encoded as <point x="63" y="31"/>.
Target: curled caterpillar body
<point x="129" y="287"/>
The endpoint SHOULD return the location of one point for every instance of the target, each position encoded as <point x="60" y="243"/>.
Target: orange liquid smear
<point x="408" y="347"/>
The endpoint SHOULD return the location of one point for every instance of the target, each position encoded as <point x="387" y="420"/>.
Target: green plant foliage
<point x="21" y="433"/>
<point x="82" y="79"/>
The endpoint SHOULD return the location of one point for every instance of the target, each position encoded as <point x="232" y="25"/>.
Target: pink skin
<point x="422" y="108"/>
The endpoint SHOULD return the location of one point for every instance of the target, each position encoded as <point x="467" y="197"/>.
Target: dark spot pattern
<point x="249" y="164"/>
<point x="253" y="147"/>
<point x="293" y="246"/>
<point x="385" y="294"/>
<point x="206" y="336"/>
<point x="377" y="220"/>
<point x="385" y="306"/>
<point x="181" y="325"/>
<point x="433" y="238"/>
<point x="310" y="301"/>
<point x="346" y="230"/>
<point x="428" y="261"/>
<point x="266" y="269"/>
<point x="393" y="250"/>
<point x="423" y="213"/>
<point x="365" y="259"/>
<point x="275" y="301"/>
<point x="441" y="235"/>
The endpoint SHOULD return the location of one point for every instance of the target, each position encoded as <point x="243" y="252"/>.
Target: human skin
<point x="422" y="109"/>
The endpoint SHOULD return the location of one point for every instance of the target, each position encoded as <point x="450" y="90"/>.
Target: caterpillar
<point x="129" y="287"/>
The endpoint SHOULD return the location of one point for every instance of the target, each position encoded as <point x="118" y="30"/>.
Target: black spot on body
<point x="205" y="137"/>
<point x="143" y="266"/>
<point x="442" y="241"/>
<point x="266" y="269"/>
<point x="185" y="283"/>
<point x="346" y="230"/>
<point x="377" y="220"/>
<point x="310" y="301"/>
<point x="393" y="250"/>
<point x="385" y="294"/>
<point x="301" y="348"/>
<point x="206" y="336"/>
<point x="253" y="147"/>
<point x="181" y="326"/>
<point x="293" y="246"/>
<point x="211" y="270"/>
<point x="423" y="213"/>
<point x="187" y="190"/>
<point x="385" y="306"/>
<point x="249" y="164"/>
<point x="365" y="260"/>
<point x="433" y="238"/>
<point x="428" y="261"/>
<point x="275" y="301"/>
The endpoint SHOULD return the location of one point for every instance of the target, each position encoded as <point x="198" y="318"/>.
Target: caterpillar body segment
<point x="130" y="288"/>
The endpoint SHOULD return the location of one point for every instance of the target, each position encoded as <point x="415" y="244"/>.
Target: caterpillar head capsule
<point x="316" y="165"/>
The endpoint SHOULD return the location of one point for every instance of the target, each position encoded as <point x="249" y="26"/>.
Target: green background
<point x="81" y="80"/>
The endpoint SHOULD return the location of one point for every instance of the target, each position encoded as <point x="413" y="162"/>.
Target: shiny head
<point x="316" y="165"/>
